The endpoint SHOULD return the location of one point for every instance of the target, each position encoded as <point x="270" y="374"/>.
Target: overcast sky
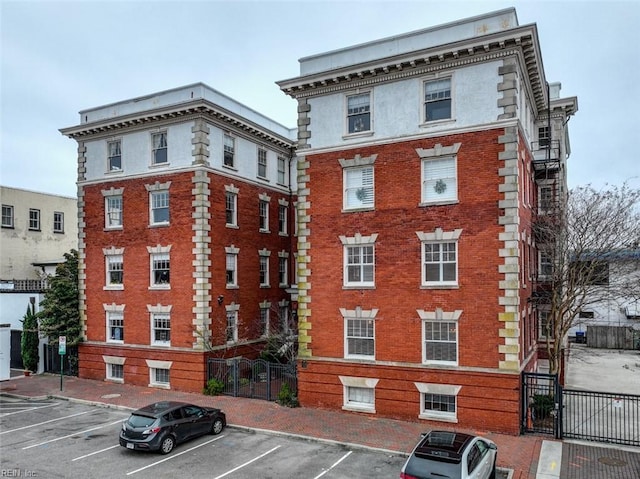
<point x="62" y="57"/>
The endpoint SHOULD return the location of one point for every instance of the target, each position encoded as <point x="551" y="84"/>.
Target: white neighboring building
<point x="37" y="230"/>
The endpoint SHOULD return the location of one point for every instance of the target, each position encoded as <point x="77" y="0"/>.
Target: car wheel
<point x="166" y="446"/>
<point x="216" y="427"/>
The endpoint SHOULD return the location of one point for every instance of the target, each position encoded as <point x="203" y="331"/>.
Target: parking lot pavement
<point x="63" y="439"/>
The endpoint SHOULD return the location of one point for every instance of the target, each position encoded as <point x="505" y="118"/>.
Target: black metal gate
<point x="541" y="396"/>
<point x="52" y="360"/>
<point x="252" y="378"/>
<point x="569" y="413"/>
<point x="600" y="416"/>
<point x="15" y="361"/>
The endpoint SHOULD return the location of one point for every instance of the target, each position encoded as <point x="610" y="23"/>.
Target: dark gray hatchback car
<point x="162" y="425"/>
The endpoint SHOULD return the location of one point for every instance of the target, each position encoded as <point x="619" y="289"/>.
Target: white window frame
<point x="262" y="163"/>
<point x="112" y="376"/>
<point x="359" y="188"/>
<point x="231" y="325"/>
<point x="366" y="316"/>
<point x="283" y="269"/>
<point x="440" y="238"/>
<point x="283" y="217"/>
<point x="159" y="142"/>
<point x="545" y="199"/>
<point x="264" y="268"/>
<point x="545" y="265"/>
<point x="358" y="115"/>
<point x="283" y="312"/>
<point x="438" y="391"/>
<point x="160" y="321"/>
<point x="441" y="97"/>
<point x="34" y="219"/>
<point x="115" y="321"/>
<point x="264" y="318"/>
<point x="228" y="151"/>
<point x="544" y="317"/>
<point x="359" y="243"/>
<point x="113" y="208"/>
<point x="155" y="367"/>
<point x="111" y="361"/>
<point x="158" y="202"/>
<point x="114" y="155"/>
<point x="7" y="216"/>
<point x="231" y="260"/>
<point x="157" y="254"/>
<point x="58" y="222"/>
<point x="434" y="184"/>
<point x="358" y="394"/>
<point x="441" y="318"/>
<point x="231" y="206"/>
<point x="282" y="171"/>
<point x="113" y="257"/>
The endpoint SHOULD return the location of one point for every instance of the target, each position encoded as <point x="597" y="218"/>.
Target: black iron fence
<point x="258" y="379"/>
<point x="52" y="360"/>
<point x="569" y="413"/>
<point x="601" y="416"/>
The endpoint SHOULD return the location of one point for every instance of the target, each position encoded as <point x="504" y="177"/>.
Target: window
<point x="359" y="113"/>
<point x="264" y="271"/>
<point x="159" y="207"/>
<point x="160" y="376"/>
<point x="358" y="393"/>
<point x="586" y="315"/>
<point x="7" y="216"/>
<point x="232" y="326"/>
<point x="231" y="208"/>
<point x="438" y="401"/>
<point x="232" y="269"/>
<point x="161" y="329"/>
<point x="440" y="263"/>
<point x="115" y="326"/>
<point x="437" y="99"/>
<point x="264" y="216"/>
<point x="264" y="319"/>
<point x="440" y="404"/>
<point x="58" y="222"/>
<point x="359" y="266"/>
<point x="545" y="197"/>
<point x="115" y="371"/>
<point x="113" y="211"/>
<point x="360" y="338"/>
<point x="440" y="342"/>
<point x="282" y="170"/>
<point x="34" y="219"/>
<point x="283" y="211"/>
<point x="283" y="312"/>
<point x="545" y="325"/>
<point x="159" y="148"/>
<point x="114" y="156"/>
<point x="228" y="151"/>
<point x="544" y="139"/>
<point x="358" y="187"/>
<point x="439" y="180"/>
<point x="262" y="163"/>
<point x="545" y="264"/>
<point x="115" y="270"/>
<point x="283" y="276"/>
<point x="160" y="268"/>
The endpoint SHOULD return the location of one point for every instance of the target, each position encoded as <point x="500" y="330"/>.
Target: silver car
<point x="451" y="455"/>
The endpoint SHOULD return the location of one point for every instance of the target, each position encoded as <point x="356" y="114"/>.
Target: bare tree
<point x="592" y="249"/>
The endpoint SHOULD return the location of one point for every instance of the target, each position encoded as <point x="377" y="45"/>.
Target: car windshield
<point x="137" y="420"/>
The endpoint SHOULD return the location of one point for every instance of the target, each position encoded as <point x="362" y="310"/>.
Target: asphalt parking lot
<point x="54" y="438"/>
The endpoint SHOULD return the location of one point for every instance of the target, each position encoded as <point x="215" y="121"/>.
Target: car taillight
<point x="152" y="430"/>
<point x="404" y="475"/>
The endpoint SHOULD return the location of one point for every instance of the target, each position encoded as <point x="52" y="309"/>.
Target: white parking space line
<point x="174" y="455"/>
<point x="334" y="465"/>
<point x="95" y="452"/>
<point x="45" y="422"/>
<point x="74" y="434"/>
<point x="246" y="463"/>
<point x="23" y="409"/>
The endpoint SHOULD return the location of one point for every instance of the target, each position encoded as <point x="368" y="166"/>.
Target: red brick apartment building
<point x="186" y="203"/>
<point x="422" y="159"/>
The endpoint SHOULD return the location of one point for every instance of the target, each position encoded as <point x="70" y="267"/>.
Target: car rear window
<point x="137" y="420"/>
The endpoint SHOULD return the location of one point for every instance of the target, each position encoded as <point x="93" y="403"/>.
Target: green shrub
<point x="29" y="342"/>
<point x="286" y="397"/>
<point x="213" y="387"/>
<point x="543" y="404"/>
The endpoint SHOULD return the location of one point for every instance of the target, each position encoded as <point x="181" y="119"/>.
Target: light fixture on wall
<point x="220" y="299"/>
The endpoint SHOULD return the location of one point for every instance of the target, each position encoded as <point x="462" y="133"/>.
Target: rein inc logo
<point x="17" y="473"/>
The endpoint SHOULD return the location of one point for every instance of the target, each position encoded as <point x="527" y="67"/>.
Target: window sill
<point x="115" y="171"/>
<point x="358" y="210"/>
<point x="358" y="134"/>
<point x="232" y="226"/>
<point x="230" y="167"/>
<point x="115" y="341"/>
<point x="115" y="380"/>
<point x="434" y="417"/>
<point x="8" y="227"/>
<point x="159" y="225"/>
<point x="436" y="123"/>
<point x="440" y="286"/>
<point x="440" y="364"/>
<point x="58" y="232"/>
<point x="159" y="165"/>
<point x="358" y="286"/>
<point x="264" y="286"/>
<point x="233" y="286"/>
<point x="159" y="386"/>
<point x="261" y="230"/>
<point x="159" y="287"/>
<point x="347" y="407"/>
<point x="113" y="228"/>
<point x="262" y="178"/>
<point x="280" y="233"/>
<point x="283" y="285"/>
<point x="162" y="345"/>
<point x="424" y="204"/>
<point x="113" y="287"/>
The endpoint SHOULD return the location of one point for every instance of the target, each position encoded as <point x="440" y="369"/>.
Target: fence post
<point x="560" y="412"/>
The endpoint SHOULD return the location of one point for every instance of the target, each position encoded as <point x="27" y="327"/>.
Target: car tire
<point x="167" y="444"/>
<point x="217" y="426"/>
